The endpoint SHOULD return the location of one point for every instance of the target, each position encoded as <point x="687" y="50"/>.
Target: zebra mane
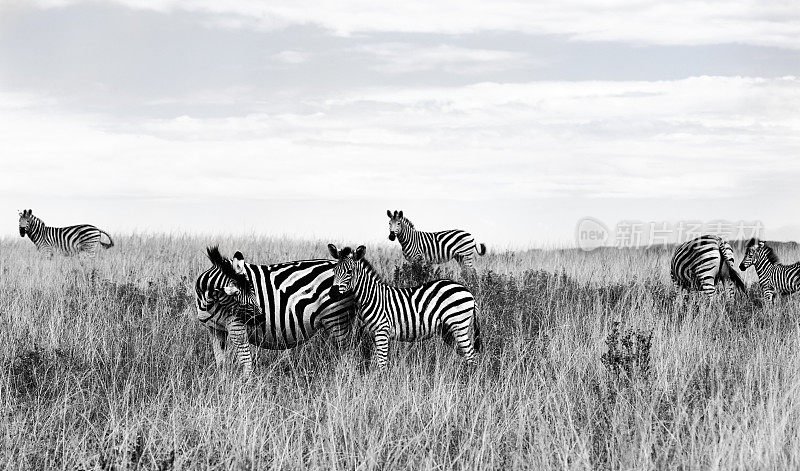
<point x="370" y="269"/>
<point x="772" y="257"/>
<point x="224" y="265"/>
<point x="410" y="224"/>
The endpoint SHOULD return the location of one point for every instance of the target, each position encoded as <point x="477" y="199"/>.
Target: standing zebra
<point x="699" y="263"/>
<point x="67" y="240"/>
<point x="436" y="247"/>
<point x="437" y="307"/>
<point x="289" y="304"/>
<point x="772" y="276"/>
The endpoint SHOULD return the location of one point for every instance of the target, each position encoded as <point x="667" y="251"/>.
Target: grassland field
<point x="591" y="361"/>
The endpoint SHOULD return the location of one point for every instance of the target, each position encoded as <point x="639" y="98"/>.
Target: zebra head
<point x="757" y="250"/>
<point x="394" y="223"/>
<point x="343" y="271"/>
<point x="233" y="286"/>
<point x="24" y="221"/>
<point x="751" y="253"/>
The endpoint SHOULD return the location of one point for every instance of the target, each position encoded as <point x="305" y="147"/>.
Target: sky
<point x="512" y="120"/>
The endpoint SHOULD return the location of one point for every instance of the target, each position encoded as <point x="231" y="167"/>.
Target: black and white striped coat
<point x="773" y="277"/>
<point x="440" y="307"/>
<point x="66" y="240"/>
<point x="435" y="247"/>
<point x="290" y="303"/>
<point x="699" y="263"/>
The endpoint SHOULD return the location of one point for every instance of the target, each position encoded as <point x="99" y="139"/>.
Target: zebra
<point x="407" y="314"/>
<point x="226" y="303"/>
<point x="772" y="275"/>
<point x="289" y="304"/>
<point x="67" y="240"/>
<point x="436" y="247"/>
<point x="699" y="263"/>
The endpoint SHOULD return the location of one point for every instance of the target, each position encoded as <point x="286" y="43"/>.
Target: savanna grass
<point x="591" y="361"/>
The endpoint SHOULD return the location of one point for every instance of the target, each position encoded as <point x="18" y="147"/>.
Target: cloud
<point x="405" y="58"/>
<point x="292" y="57"/>
<point x="686" y="22"/>
<point x="710" y="137"/>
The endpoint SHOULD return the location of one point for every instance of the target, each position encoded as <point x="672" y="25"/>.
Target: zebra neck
<point x="405" y="236"/>
<point x="764" y="269"/>
<point x="366" y="281"/>
<point x="36" y="229"/>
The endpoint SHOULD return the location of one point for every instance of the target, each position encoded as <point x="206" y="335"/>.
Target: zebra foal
<point x="68" y="240"/>
<point x="435" y="247"/>
<point x="773" y="277"/>
<point x="441" y="307"/>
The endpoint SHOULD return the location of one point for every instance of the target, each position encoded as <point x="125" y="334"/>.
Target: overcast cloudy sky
<point x="509" y="119"/>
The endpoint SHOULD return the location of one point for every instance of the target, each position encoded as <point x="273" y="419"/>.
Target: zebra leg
<point x="463" y="340"/>
<point x="731" y="288"/>
<point x="381" y="349"/>
<point x="708" y="287"/>
<point x="769" y="295"/>
<point x="468" y="261"/>
<point x="218" y="344"/>
<point x="237" y="331"/>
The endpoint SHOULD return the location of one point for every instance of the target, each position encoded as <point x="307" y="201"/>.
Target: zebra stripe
<point x="699" y="263"/>
<point x="67" y="240"/>
<point x="436" y="247"/>
<point x="773" y="277"/>
<point x="441" y="307"/>
<point x="290" y="304"/>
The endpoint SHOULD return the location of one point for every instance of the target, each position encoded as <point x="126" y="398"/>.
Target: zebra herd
<point x="283" y="305"/>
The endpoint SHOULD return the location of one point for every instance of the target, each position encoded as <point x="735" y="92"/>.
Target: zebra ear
<point x="360" y="251"/>
<point x="400" y="214"/>
<point x="333" y="251"/>
<point x="238" y="266"/>
<point x="389" y="213"/>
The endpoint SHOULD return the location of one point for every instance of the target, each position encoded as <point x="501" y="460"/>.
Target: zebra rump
<point x="701" y="262"/>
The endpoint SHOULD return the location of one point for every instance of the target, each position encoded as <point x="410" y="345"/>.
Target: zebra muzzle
<point x="334" y="293"/>
<point x="391" y="236"/>
<point x="22" y="232"/>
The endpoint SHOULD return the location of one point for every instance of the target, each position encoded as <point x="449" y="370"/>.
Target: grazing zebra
<point x="436" y="247"/>
<point x="289" y="304"/>
<point x="437" y="307"/>
<point x="699" y="263"/>
<point x="226" y="303"/>
<point x="67" y="240"/>
<point x="772" y="276"/>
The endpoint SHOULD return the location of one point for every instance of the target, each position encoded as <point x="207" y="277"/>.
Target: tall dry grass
<point x="590" y="362"/>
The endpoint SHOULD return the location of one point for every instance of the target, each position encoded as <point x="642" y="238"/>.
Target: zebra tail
<point x="477" y="341"/>
<point x="481" y="249"/>
<point x="734" y="276"/>
<point x="110" y="240"/>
